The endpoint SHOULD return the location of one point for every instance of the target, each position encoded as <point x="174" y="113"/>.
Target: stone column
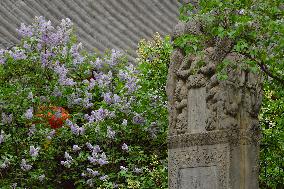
<point x="213" y="125"/>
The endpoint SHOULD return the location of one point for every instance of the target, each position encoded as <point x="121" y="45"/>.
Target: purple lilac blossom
<point x="68" y="161"/>
<point x="124" y="147"/>
<point x="2" y="136"/>
<point x="27" y="46"/>
<point x="107" y="97"/>
<point x="87" y="103"/>
<point x="138" y="119"/>
<point x="97" y="115"/>
<point x="131" y="85"/>
<point x="67" y="156"/>
<point x="7" y="119"/>
<point x="41" y="177"/>
<point x="18" y="54"/>
<point x="89" y="146"/>
<point x="25" y="166"/>
<point x="25" y="31"/>
<point x="96" y="149"/>
<point x="137" y="170"/>
<point x="58" y="114"/>
<point x="92" y="172"/>
<point x="102" y="161"/>
<point x="32" y="130"/>
<point x="110" y="133"/>
<point x="123" y="168"/>
<point x="116" y="99"/>
<point x="90" y="182"/>
<point x="76" y="148"/>
<point x="2" y="56"/>
<point x="30" y="96"/>
<point x="34" y="151"/>
<point x="56" y="92"/>
<point x="5" y="164"/>
<point x="29" y="113"/>
<point x="103" y="80"/>
<point x="92" y="160"/>
<point x="124" y="122"/>
<point x="51" y="134"/>
<point x="103" y="178"/>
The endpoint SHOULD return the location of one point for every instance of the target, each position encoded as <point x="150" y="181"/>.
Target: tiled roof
<point x="101" y="24"/>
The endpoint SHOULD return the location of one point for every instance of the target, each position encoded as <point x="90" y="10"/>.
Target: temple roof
<point x="100" y="24"/>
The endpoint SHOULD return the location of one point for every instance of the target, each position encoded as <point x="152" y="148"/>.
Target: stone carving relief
<point x="226" y="100"/>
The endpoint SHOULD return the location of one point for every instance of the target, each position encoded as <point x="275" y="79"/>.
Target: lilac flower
<point x="97" y="115"/>
<point x="103" y="80"/>
<point x="29" y="113"/>
<point x="87" y="103"/>
<point x="67" y="156"/>
<point x="68" y="161"/>
<point x="14" y="185"/>
<point x="92" y="172"/>
<point x="51" y="134"/>
<point x="98" y="64"/>
<point x="123" y="168"/>
<point x="102" y="161"/>
<point x="89" y="146"/>
<point x="107" y="97"/>
<point x="32" y="130"/>
<point x="2" y="136"/>
<point x="137" y="170"/>
<point x="39" y="46"/>
<point x="18" y="54"/>
<point x="30" y="95"/>
<point x="2" y="56"/>
<point x="96" y="149"/>
<point x="103" y="178"/>
<point x="124" y="147"/>
<point x="41" y="177"/>
<point x="131" y="85"/>
<point x="5" y="164"/>
<point x="27" y="46"/>
<point x="64" y="52"/>
<point x="7" y="119"/>
<point x="64" y="81"/>
<point x="81" y="130"/>
<point x="116" y="98"/>
<point x="124" y="122"/>
<point x="92" y="84"/>
<point x="44" y="59"/>
<point x="138" y="119"/>
<point x="25" y="31"/>
<point x="76" y="148"/>
<point x="66" y="23"/>
<point x="90" y="182"/>
<point x="110" y="133"/>
<point x="75" y="129"/>
<point x="56" y="92"/>
<point x="34" y="151"/>
<point x="25" y="166"/>
<point x="92" y="159"/>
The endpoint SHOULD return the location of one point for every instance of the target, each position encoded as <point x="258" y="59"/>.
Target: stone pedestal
<point x="213" y="125"/>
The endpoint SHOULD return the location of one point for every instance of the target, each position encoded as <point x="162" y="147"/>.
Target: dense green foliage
<point x="255" y="28"/>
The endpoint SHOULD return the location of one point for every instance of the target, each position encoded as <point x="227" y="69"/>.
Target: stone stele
<point x="213" y="124"/>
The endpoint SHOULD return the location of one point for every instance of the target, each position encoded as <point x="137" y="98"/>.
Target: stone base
<point x="214" y="160"/>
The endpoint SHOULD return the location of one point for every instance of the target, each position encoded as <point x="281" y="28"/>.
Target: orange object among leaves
<point x="49" y="113"/>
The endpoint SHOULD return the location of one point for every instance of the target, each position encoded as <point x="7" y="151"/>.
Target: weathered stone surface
<point x="213" y="126"/>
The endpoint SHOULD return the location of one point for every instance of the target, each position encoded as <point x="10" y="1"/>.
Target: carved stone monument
<point x="213" y="125"/>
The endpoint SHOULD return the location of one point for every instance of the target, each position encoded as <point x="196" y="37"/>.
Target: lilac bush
<point x="76" y="119"/>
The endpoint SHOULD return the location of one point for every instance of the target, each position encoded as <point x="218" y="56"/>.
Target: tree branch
<point x="266" y="70"/>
